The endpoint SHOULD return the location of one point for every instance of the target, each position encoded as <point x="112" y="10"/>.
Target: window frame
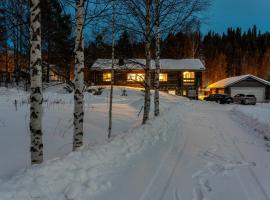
<point x="137" y="77"/>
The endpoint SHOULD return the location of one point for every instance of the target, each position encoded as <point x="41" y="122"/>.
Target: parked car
<point x="219" y="98"/>
<point x="249" y="99"/>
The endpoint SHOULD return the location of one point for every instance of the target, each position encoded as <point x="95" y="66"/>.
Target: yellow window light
<point x="107" y="77"/>
<point x="173" y="92"/>
<point x="135" y="77"/>
<point x="188" y="75"/>
<point x="163" y="77"/>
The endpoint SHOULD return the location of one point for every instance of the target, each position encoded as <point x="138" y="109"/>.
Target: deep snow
<point x="193" y="151"/>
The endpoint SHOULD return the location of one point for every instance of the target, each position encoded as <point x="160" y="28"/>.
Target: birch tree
<point x="36" y="84"/>
<point x="171" y="16"/>
<point x="147" y="96"/>
<point x="79" y="77"/>
<point x="137" y="17"/>
<point x="157" y="60"/>
<point x="168" y="16"/>
<point x="112" y="69"/>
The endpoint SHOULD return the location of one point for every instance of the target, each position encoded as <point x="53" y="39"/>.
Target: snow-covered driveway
<point x="193" y="151"/>
<point x="209" y="155"/>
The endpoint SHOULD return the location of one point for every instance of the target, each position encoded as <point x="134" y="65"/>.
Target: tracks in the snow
<point x="179" y="156"/>
<point x="173" y="147"/>
<point x="251" y="171"/>
<point x="255" y="178"/>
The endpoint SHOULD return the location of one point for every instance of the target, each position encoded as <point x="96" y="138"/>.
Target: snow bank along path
<point x="57" y="123"/>
<point x="82" y="174"/>
<point x="256" y="117"/>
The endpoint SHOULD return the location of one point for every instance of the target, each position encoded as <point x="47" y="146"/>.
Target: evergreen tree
<point x="124" y="46"/>
<point x="56" y="36"/>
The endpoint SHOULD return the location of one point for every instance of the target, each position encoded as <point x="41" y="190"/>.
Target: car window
<point x="250" y="95"/>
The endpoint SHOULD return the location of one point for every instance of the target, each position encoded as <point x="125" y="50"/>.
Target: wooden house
<point x="178" y="76"/>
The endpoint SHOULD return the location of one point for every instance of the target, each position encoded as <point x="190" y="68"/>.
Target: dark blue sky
<point x="237" y="13"/>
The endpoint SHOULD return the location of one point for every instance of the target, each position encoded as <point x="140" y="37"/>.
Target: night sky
<point x="237" y="13"/>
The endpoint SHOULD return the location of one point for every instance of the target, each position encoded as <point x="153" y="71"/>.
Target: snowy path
<point x="193" y="151"/>
<point x="208" y="156"/>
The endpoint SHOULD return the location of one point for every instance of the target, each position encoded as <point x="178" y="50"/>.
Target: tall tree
<point x="124" y="46"/>
<point x="112" y="70"/>
<point x="79" y="77"/>
<point x="157" y="60"/>
<point x="147" y="95"/>
<point x="36" y="84"/>
<point x="57" y="42"/>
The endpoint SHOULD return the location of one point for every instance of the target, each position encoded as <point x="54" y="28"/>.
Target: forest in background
<point x="233" y="53"/>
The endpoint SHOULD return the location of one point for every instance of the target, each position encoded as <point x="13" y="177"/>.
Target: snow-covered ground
<point x="256" y="117"/>
<point x="194" y="151"/>
<point x="58" y="123"/>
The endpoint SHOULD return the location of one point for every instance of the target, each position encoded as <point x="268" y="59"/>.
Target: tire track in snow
<point x="174" y="168"/>
<point x="145" y="195"/>
<point x="251" y="171"/>
<point x="219" y="165"/>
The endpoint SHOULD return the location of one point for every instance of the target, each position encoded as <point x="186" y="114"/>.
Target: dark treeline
<point x="235" y="53"/>
<point x="57" y="39"/>
<point x="229" y="54"/>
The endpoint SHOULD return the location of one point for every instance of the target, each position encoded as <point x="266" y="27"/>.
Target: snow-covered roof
<point x="232" y="80"/>
<point x="166" y="64"/>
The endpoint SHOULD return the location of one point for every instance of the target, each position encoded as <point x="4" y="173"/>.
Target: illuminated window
<point x="189" y="78"/>
<point x="188" y="75"/>
<point x="107" y="77"/>
<point x="163" y="77"/>
<point x="135" y="77"/>
<point x="173" y="92"/>
<point x="184" y="93"/>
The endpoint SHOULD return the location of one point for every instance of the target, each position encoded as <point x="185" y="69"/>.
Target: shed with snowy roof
<point x="245" y="84"/>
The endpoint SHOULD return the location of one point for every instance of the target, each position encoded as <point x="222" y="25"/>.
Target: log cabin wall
<point x="174" y="81"/>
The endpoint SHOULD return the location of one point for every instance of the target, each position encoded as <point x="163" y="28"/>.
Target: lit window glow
<point x="189" y="78"/>
<point x="184" y="93"/>
<point x="188" y="75"/>
<point x="107" y="77"/>
<point x="135" y="77"/>
<point x="173" y="92"/>
<point x="163" y="77"/>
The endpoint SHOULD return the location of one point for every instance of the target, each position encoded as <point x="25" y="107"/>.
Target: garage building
<point x="245" y="84"/>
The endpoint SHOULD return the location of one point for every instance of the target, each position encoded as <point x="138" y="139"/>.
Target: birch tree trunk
<point x="147" y="97"/>
<point x="36" y="84"/>
<point x="157" y="61"/>
<point x="79" y="77"/>
<point x="112" y="70"/>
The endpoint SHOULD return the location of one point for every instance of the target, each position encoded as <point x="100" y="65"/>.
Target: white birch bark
<point x="36" y="84"/>
<point x="157" y="60"/>
<point x="112" y="70"/>
<point x="147" y="97"/>
<point x="79" y="77"/>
